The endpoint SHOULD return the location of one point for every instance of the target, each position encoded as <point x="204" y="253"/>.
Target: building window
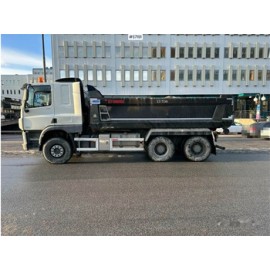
<point x="163" y="75"/>
<point x="118" y="51"/>
<point x="108" y="75"/>
<point x="99" y="75"/>
<point x="252" y="52"/>
<point x="89" y="51"/>
<point x="145" y="52"/>
<point x="208" y="52"/>
<point x="8" y="92"/>
<point x="163" y="52"/>
<point x="251" y="75"/>
<point x="98" y="51"/>
<point x="3" y="92"/>
<point x="71" y="73"/>
<point x="235" y="50"/>
<point x="216" y="52"/>
<point x="181" y="75"/>
<point x="136" y="52"/>
<point x="145" y="75"/>
<point x="127" y="75"/>
<point x="199" y="52"/>
<point x="244" y="52"/>
<point x="172" y="52"/>
<point x="243" y="75"/>
<point x="261" y="53"/>
<point x="108" y="51"/>
<point x="19" y="92"/>
<point x="216" y="75"/>
<point x="81" y="75"/>
<point x="268" y="75"/>
<point x="62" y="73"/>
<point x="190" y="75"/>
<point x="118" y="75"/>
<point x="181" y="52"/>
<point x="153" y="52"/>
<point x="90" y="75"/>
<point x="234" y="75"/>
<point x="154" y="75"/>
<point x="199" y="75"/>
<point x="225" y="75"/>
<point x="70" y="51"/>
<point x="207" y="75"/>
<point x="127" y="51"/>
<point x="190" y="52"/>
<point x="260" y="75"/>
<point x="136" y="75"/>
<point x="80" y="51"/>
<point x="172" y="75"/>
<point x="226" y="53"/>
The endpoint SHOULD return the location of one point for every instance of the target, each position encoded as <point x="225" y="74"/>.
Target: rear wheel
<point x="161" y="149"/>
<point x="197" y="148"/>
<point x="57" y="150"/>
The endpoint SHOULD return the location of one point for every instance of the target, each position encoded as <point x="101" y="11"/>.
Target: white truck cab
<point x="48" y="105"/>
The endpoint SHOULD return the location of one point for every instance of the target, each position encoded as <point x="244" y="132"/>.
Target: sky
<point x="20" y="53"/>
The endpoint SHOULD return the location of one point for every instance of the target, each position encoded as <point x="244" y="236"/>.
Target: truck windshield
<point x="38" y="96"/>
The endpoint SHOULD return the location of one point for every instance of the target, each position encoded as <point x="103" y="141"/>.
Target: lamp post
<point x="44" y="59"/>
<point x="258" y="98"/>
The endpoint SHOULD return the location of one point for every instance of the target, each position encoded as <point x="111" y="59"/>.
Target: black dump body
<point x="144" y="113"/>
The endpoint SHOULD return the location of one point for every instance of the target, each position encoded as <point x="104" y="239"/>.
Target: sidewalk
<point x="239" y="143"/>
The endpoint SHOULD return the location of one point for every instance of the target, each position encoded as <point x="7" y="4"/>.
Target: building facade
<point x="165" y="64"/>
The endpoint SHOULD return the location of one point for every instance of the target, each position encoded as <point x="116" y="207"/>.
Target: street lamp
<point x="44" y="59"/>
<point x="257" y="101"/>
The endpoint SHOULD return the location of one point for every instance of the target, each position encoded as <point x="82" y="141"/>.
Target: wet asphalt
<point x="105" y="194"/>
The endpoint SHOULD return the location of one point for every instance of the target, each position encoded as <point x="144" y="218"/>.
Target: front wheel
<point x="197" y="148"/>
<point x="57" y="151"/>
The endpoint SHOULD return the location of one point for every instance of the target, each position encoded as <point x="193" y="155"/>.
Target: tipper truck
<point x="61" y="119"/>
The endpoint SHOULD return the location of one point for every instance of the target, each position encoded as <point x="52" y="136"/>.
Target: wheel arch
<point x="54" y="132"/>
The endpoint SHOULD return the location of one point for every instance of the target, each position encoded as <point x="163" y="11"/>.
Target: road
<point x="106" y="194"/>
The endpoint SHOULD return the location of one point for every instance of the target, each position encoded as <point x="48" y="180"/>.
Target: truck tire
<point x="57" y="151"/>
<point x="197" y="148"/>
<point x="161" y="149"/>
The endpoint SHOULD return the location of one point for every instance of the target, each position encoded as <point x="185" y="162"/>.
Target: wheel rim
<point x="160" y="149"/>
<point x="197" y="148"/>
<point x="57" y="151"/>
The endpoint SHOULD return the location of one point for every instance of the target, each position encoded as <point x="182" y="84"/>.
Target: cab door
<point x="38" y="111"/>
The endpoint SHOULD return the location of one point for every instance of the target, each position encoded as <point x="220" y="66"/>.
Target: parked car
<point x="265" y="132"/>
<point x="234" y="128"/>
<point x="255" y="130"/>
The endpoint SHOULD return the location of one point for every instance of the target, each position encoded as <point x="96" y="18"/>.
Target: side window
<point x="42" y="99"/>
<point x="38" y="96"/>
